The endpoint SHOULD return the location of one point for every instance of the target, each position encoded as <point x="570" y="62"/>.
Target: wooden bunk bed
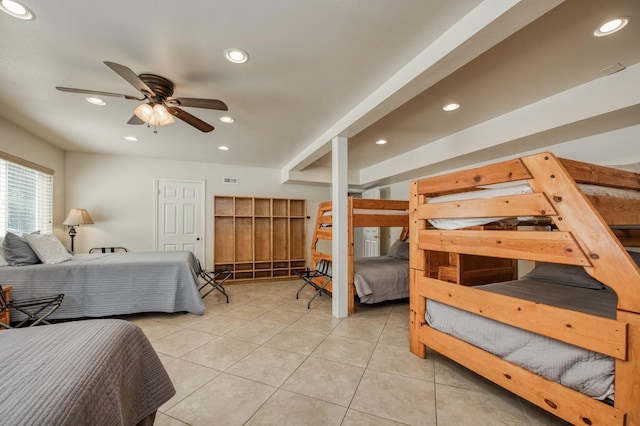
<point x="586" y="232"/>
<point x="361" y="213"/>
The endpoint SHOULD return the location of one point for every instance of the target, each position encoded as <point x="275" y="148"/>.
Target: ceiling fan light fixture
<point x="17" y="10"/>
<point x="227" y="119"/>
<point x="154" y="115"/>
<point x="610" y="27"/>
<point x="237" y="56"/>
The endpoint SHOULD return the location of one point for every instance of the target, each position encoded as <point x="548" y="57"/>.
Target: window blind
<point x="26" y="199"/>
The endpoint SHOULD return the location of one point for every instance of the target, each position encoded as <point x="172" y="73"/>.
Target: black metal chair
<point x="36" y="310"/>
<point x="319" y="278"/>
<point x="213" y="279"/>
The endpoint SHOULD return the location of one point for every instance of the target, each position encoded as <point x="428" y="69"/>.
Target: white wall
<point x="118" y="192"/>
<point x="17" y="141"/>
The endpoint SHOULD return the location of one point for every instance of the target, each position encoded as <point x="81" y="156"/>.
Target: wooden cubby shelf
<point x="259" y="238"/>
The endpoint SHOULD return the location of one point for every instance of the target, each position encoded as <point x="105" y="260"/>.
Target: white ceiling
<point x="365" y="69"/>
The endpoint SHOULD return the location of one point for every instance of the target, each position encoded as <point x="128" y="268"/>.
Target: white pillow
<point x="3" y="262"/>
<point x="48" y="248"/>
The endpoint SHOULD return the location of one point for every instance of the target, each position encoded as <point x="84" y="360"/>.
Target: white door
<point x="180" y="216"/>
<point x="371" y="235"/>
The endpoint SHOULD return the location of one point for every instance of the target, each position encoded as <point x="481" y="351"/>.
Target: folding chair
<point x="318" y="279"/>
<point x="36" y="309"/>
<point x="213" y="279"/>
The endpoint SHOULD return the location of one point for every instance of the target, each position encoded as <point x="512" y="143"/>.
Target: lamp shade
<point x="154" y="115"/>
<point x="78" y="217"/>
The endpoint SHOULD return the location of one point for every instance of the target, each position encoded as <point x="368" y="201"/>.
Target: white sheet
<point x="524" y="188"/>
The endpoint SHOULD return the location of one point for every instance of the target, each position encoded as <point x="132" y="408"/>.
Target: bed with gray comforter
<point x="381" y="278"/>
<point x="564" y="286"/>
<point x="98" y="372"/>
<point x="98" y="285"/>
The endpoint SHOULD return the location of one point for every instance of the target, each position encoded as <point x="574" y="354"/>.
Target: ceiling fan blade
<point x="130" y="76"/>
<point x="190" y="119"/>
<point x="198" y="103"/>
<point x="96" y="92"/>
<point x="135" y="120"/>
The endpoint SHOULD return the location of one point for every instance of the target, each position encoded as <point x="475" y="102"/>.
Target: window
<point x="26" y="196"/>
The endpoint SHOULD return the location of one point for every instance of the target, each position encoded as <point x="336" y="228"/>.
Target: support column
<point x="339" y="252"/>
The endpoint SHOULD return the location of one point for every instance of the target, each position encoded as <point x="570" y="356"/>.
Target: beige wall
<point x="118" y="192"/>
<point x="19" y="142"/>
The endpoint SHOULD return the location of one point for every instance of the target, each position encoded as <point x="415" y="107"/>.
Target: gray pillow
<point x="572" y="275"/>
<point x="399" y="249"/>
<point x="17" y="252"/>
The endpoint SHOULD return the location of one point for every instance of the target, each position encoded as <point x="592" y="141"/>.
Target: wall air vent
<point x="230" y="180"/>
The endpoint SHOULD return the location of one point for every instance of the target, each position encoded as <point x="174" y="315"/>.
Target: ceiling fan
<point x="157" y="91"/>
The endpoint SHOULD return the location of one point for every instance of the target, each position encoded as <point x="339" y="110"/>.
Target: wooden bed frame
<point x="361" y="212"/>
<point x="581" y="235"/>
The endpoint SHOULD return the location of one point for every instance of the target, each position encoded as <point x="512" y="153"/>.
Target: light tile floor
<point x="265" y="359"/>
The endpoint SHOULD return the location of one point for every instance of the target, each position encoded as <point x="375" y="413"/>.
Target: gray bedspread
<point x="97" y="372"/>
<point x="381" y="278"/>
<point x="580" y="369"/>
<point x="98" y="285"/>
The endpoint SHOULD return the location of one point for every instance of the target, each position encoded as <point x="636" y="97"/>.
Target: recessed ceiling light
<point x="131" y="138"/>
<point x="223" y="148"/>
<point x="611" y="27"/>
<point x="381" y="142"/>
<point x="95" y="101"/>
<point x="16" y="10"/>
<point x="237" y="56"/>
<point x="451" y="107"/>
<point x="227" y="119"/>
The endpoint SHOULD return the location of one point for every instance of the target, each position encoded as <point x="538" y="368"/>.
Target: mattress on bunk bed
<point x="580" y="369"/>
<point x="519" y="189"/>
<point x="381" y="278"/>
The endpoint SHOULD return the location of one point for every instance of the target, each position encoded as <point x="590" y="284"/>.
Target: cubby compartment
<point x="280" y="207"/>
<point x="224" y="241"/>
<point x="262" y="238"/>
<point x="262" y="274"/>
<point x="281" y="273"/>
<point x="297" y="247"/>
<point x="263" y="266"/>
<point x="243" y="275"/>
<point x="262" y="207"/>
<point x="297" y="208"/>
<point x="223" y="206"/>
<point x="244" y="207"/>
<point x="280" y="238"/>
<point x="244" y="239"/>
